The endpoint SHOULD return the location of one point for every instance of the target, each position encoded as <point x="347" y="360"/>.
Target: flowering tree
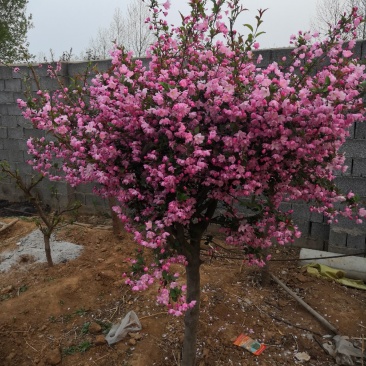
<point x="205" y="136"/>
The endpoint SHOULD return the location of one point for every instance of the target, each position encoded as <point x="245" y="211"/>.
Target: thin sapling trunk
<point x="191" y="317"/>
<point x="47" y="248"/>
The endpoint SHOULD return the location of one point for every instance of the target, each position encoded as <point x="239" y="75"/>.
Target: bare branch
<point x="130" y="32"/>
<point x="329" y="12"/>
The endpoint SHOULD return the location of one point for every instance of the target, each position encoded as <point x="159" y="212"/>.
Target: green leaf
<point x="249" y="26"/>
<point x="258" y="34"/>
<point x="166" y="86"/>
<point x="181" y="197"/>
<point x="327" y="81"/>
<point x="175" y="293"/>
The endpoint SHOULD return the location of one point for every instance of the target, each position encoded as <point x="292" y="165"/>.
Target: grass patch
<point x="82" y="347"/>
<point x="81" y="312"/>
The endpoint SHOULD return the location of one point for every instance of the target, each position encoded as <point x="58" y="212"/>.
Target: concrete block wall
<point x="343" y="237"/>
<point x="346" y="236"/>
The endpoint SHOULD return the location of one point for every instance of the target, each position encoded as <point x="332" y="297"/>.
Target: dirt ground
<point x="51" y="316"/>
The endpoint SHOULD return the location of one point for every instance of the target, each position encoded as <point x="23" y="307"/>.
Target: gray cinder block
<point x="316" y="217"/>
<point x="6" y="97"/>
<point x="16" y="133"/>
<point x="342" y="250"/>
<point x="6" y="72"/>
<point x="319" y="231"/>
<point x="13" y="110"/>
<point x="301" y="212"/>
<point x="355" y="148"/>
<point x="355" y="184"/>
<point x="304" y="227"/>
<point x="360" y="130"/>
<point x="13" y="85"/>
<point x="3" y="132"/>
<point x="337" y="238"/>
<point x="356" y="242"/>
<point x="359" y="168"/>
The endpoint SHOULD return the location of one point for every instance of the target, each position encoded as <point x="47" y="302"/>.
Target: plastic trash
<point x="130" y="323"/>
<point x="249" y="344"/>
<point x="344" y="352"/>
<point x="302" y="356"/>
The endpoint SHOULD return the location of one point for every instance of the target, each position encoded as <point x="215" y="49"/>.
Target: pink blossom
<point x="167" y="5"/>
<point x="198" y="139"/>
<point x="173" y="94"/>
<point x="347" y="53"/>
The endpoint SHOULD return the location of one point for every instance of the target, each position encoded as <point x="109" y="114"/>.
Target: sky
<point x="61" y="25"/>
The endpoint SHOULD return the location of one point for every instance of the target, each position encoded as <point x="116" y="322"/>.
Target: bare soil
<point x="59" y="315"/>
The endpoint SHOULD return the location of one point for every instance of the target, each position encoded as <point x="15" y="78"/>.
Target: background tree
<point x="129" y="31"/>
<point x="100" y="46"/>
<point x="48" y="221"/>
<point x="14" y="25"/>
<point x="205" y="136"/>
<point x="137" y="34"/>
<point x="329" y="12"/>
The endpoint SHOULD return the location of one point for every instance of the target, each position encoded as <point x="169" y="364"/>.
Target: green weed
<point x="85" y="328"/>
<point x="82" y="347"/>
<point x="81" y="312"/>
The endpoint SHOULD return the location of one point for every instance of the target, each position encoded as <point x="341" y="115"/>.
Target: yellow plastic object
<point x="321" y="270"/>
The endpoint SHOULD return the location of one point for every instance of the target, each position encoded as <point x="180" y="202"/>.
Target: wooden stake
<point x="6" y="226"/>
<point x="322" y="320"/>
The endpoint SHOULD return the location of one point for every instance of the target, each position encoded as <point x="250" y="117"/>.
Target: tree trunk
<point x="266" y="278"/>
<point x="116" y="222"/>
<point x="47" y="248"/>
<point x="192" y="315"/>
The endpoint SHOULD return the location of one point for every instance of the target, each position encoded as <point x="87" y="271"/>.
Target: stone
<point x="7" y="289"/>
<point x="136" y="336"/>
<point x="302" y="356"/>
<point x="282" y="303"/>
<point x="119" y="283"/>
<point x="53" y="357"/>
<point x="100" y="340"/>
<point x="204" y="298"/>
<point x="94" y="328"/>
<point x="110" y="275"/>
<point x="302" y="278"/>
<point x="132" y="342"/>
<point x="10" y="356"/>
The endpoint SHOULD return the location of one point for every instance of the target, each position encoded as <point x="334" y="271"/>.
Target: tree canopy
<point x="207" y="135"/>
<point x="14" y="25"/>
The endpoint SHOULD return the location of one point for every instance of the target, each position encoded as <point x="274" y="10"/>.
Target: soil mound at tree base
<point x="30" y="249"/>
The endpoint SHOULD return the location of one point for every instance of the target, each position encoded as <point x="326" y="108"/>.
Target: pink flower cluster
<point x="206" y="126"/>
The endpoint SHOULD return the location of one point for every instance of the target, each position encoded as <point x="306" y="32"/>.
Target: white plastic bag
<point x="344" y="352"/>
<point x="130" y="323"/>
